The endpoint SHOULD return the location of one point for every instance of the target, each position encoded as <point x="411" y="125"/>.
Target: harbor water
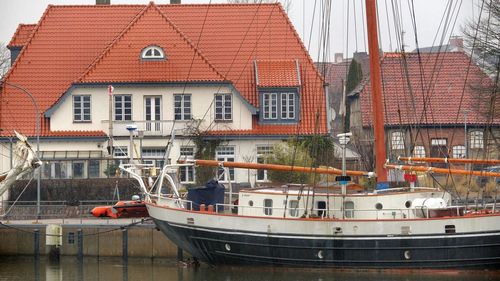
<point x="71" y="268"/>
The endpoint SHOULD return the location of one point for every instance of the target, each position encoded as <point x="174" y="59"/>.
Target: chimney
<point x="339" y="57"/>
<point x="175" y="1"/>
<point x="457" y="43"/>
<point x="102" y="2"/>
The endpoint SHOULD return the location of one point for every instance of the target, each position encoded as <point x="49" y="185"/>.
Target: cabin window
<point x="268" y="207"/>
<point x="186" y="173"/>
<point x="458" y="151"/>
<point x="262" y="152"/>
<point x="250" y="203"/>
<point x="223" y="107"/>
<point x="379" y="206"/>
<point x="449" y="228"/>
<point x="81" y="108"/>
<point x="321" y="207"/>
<point x="349" y="209"/>
<point x="182" y="107"/>
<point x="408" y="204"/>
<point x="226" y="154"/>
<point x="293" y="208"/>
<point x="476" y="139"/>
<point x="406" y="230"/>
<point x="123" y="107"/>
<point x="419" y="151"/>
<point x="152" y="52"/>
<point x="397" y="140"/>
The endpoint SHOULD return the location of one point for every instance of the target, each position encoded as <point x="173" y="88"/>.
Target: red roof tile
<point x="73" y="42"/>
<point x="277" y="73"/>
<point x="435" y="91"/>
<point x="21" y="35"/>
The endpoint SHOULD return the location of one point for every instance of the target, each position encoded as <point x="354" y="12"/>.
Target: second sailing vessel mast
<point x="375" y="80"/>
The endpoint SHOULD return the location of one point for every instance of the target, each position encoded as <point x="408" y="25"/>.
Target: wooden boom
<point x="441" y="170"/>
<point x="274" y="167"/>
<point x="450" y="160"/>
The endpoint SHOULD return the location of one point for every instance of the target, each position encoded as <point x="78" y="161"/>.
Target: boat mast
<point x="375" y="79"/>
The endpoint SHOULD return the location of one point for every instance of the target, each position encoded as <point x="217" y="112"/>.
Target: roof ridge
<point x="108" y="48"/>
<point x="190" y="43"/>
<point x="28" y="42"/>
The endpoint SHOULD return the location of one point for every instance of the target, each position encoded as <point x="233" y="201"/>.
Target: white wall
<point x="201" y="99"/>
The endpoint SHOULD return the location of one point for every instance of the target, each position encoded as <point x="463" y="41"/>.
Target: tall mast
<point x="377" y="105"/>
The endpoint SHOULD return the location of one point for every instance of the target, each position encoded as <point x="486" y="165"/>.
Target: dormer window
<point x="152" y="53"/>
<point x="279" y="106"/>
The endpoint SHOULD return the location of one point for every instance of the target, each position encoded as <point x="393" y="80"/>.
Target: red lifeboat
<point x="122" y="209"/>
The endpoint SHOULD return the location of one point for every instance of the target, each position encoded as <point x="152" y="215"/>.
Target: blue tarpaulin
<point x="210" y="194"/>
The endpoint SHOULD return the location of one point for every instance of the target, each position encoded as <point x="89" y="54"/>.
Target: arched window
<point x="152" y="52"/>
<point x="476" y="139"/>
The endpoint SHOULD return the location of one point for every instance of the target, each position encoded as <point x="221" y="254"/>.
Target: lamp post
<point x="131" y="128"/>
<point x="37" y="129"/>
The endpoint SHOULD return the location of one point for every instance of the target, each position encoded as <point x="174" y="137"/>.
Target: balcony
<point x="153" y="127"/>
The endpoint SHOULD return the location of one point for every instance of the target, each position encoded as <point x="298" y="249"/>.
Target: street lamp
<point x="131" y="128"/>
<point x="37" y="129"/>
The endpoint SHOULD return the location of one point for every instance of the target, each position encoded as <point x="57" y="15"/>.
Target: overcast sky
<point x="428" y="14"/>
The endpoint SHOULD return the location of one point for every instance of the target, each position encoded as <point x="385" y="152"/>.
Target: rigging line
<point x="236" y="55"/>
<point x="190" y="69"/>
<point x="312" y="26"/>
<point x="363" y="18"/>
<point x="20" y="194"/>
<point x="388" y="27"/>
<point x="355" y="25"/>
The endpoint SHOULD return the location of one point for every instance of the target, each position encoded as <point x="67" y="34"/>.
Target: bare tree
<point x="483" y="35"/>
<point x="287" y="4"/>
<point x="4" y="60"/>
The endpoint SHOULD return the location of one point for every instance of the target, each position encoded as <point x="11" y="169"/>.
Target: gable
<point x="122" y="61"/>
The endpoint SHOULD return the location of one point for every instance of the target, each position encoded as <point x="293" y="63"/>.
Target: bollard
<point x="80" y="244"/>
<point x="36" y="243"/>
<point x="125" y="244"/>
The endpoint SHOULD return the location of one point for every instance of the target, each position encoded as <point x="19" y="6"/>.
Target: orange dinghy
<point x="122" y="209"/>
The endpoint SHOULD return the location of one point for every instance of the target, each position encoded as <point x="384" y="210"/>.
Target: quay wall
<point x="143" y="241"/>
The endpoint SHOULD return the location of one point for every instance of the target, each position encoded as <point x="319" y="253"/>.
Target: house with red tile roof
<point x="435" y="105"/>
<point x="238" y="73"/>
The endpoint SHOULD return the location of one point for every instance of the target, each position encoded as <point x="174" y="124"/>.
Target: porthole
<point x="379" y="206"/>
<point x="250" y="203"/>
<point x="321" y="255"/>
<point x="407" y="255"/>
<point x="408" y="204"/>
<point x="228" y="247"/>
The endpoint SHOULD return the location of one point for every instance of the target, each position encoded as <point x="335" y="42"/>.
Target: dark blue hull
<point x="219" y="246"/>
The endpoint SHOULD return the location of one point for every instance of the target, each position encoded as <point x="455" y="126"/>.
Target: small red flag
<point x="110" y="90"/>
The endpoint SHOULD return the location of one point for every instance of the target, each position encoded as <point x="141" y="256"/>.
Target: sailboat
<point x="290" y="225"/>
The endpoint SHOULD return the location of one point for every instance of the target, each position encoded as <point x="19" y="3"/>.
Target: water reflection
<point x="27" y="268"/>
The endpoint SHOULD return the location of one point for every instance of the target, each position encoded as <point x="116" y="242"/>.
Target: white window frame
<point x="120" y="152"/>
<point x="476" y="139"/>
<point x="439" y="142"/>
<point x="288" y="106"/>
<point x="80" y="104"/>
<point x="152" y="53"/>
<point x="397" y="140"/>
<point x="187" y="153"/>
<point x="293" y="208"/>
<point x="268" y="209"/>
<point x="84" y="169"/>
<point x="419" y="151"/>
<point x="153" y="108"/>
<point x="224" y="104"/>
<point x="262" y="152"/>
<point x="226" y="154"/>
<point x="182" y="107"/>
<point x="121" y="104"/>
<point x="458" y="151"/>
<point x="270" y="106"/>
